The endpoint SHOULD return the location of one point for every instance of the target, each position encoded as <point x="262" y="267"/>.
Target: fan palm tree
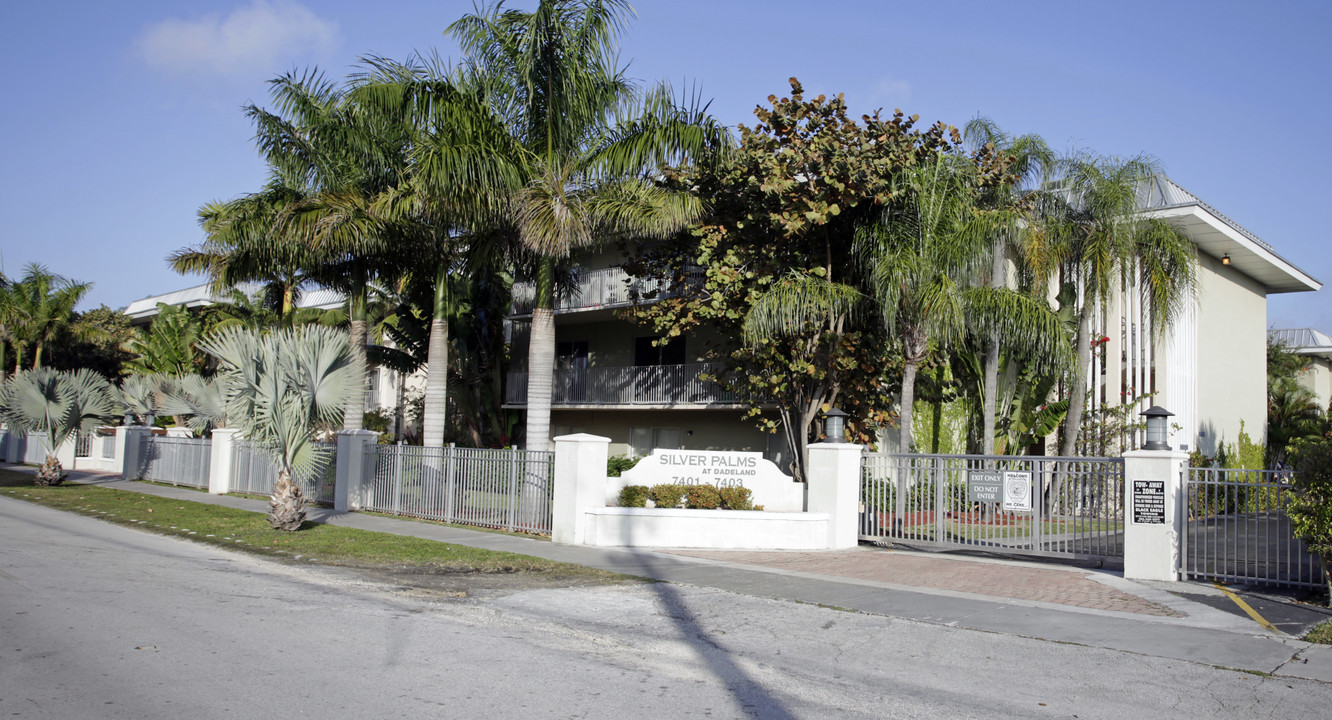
<point x="542" y="134"/>
<point x="280" y="388"/>
<point x="57" y="404"/>
<point x="1097" y="239"/>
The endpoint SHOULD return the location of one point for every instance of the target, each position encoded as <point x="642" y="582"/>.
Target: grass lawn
<point x="314" y="543"/>
<point x="1321" y="634"/>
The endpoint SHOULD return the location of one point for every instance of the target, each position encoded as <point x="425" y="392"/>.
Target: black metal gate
<point x="1237" y="530"/>
<point x="1045" y="506"/>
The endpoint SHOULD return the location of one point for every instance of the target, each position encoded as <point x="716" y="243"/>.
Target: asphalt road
<point x="102" y="621"/>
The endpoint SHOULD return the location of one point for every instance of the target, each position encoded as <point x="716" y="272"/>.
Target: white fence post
<point x="580" y="482"/>
<point x="833" y="474"/>
<point x="349" y="494"/>
<point x="132" y="446"/>
<point x="221" y="465"/>
<point x="1154" y="519"/>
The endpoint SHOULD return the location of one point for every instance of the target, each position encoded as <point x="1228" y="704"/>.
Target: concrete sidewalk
<point x="1063" y="604"/>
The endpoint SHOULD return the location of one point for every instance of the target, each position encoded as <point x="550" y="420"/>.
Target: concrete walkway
<point x="1072" y="605"/>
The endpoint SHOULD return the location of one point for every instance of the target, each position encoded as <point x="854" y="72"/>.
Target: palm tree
<point x="1098" y="241"/>
<point x="242" y="244"/>
<point x="58" y="404"/>
<point x="1003" y="204"/>
<point x="43" y="308"/>
<point x="329" y="160"/>
<point x="926" y="258"/>
<point x="548" y="137"/>
<point x="168" y="345"/>
<point x="11" y="316"/>
<point x="280" y="388"/>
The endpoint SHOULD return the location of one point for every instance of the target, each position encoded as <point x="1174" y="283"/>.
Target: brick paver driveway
<point x="1020" y="582"/>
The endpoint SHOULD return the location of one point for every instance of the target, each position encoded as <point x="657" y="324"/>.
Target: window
<point x="646" y="353"/>
<point x="569" y="355"/>
<point x="642" y="441"/>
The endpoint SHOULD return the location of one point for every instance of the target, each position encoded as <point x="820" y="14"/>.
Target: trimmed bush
<point x="703" y="497"/>
<point x="620" y="463"/>
<point x="634" y="496"/>
<point x="736" y="498"/>
<point x="667" y="495"/>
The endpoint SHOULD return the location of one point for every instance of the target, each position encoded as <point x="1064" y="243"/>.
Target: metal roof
<point x="201" y="295"/>
<point x="1217" y="235"/>
<point x="1305" y="341"/>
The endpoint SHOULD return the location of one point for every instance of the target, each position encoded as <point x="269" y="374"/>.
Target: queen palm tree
<point x="1098" y="240"/>
<point x="1004" y="206"/>
<point x="43" y="308"/>
<point x="927" y="256"/>
<point x="57" y="404"/>
<point x="280" y="387"/>
<point x="539" y="132"/>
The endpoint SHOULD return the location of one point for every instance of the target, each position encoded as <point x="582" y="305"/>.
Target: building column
<point x="833" y="474"/>
<point x="1154" y="519"/>
<point x="580" y="483"/>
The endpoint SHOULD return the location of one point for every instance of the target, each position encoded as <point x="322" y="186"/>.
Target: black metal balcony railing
<point x="608" y="288"/>
<point x="648" y="385"/>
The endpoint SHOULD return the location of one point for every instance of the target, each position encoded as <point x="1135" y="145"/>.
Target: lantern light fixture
<point x="1156" y="428"/>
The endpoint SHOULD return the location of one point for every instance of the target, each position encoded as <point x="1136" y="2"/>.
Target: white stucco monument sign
<point x="771" y="488"/>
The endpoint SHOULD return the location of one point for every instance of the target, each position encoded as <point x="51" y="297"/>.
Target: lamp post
<point x="834" y="425"/>
<point x="1156" y="428"/>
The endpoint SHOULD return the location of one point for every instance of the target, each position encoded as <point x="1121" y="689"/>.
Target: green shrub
<point x="667" y="495"/>
<point x="634" y="496"/>
<point x="703" y="497"/>
<point x="1310" y="508"/>
<point x="620" y="463"/>
<point x="736" y="498"/>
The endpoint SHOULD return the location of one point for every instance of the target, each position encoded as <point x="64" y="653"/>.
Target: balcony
<point x="597" y="290"/>
<point x="653" y="385"/>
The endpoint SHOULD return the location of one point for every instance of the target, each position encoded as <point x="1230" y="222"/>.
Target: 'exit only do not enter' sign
<point x="1011" y="487"/>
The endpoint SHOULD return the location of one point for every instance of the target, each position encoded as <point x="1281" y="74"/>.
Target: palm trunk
<point x="437" y="365"/>
<point x="2" y="360"/>
<point x="1078" y="393"/>
<point x="908" y="400"/>
<point x="354" y="417"/>
<point x="541" y="359"/>
<point x="287" y="503"/>
<point x="37" y="358"/>
<point x="990" y="399"/>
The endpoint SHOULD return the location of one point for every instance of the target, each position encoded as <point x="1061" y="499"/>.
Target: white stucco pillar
<point x="353" y="445"/>
<point x="1153" y="513"/>
<point x="580" y="482"/>
<point x="130" y="448"/>
<point x="833" y="474"/>
<point x="65" y="453"/>
<point x="221" y="464"/>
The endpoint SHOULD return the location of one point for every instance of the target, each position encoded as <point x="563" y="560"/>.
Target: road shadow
<point x="750" y="694"/>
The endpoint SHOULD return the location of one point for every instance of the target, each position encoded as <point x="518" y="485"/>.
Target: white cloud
<point x="260" y="37"/>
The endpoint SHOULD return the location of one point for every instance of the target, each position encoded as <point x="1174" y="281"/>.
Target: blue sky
<point x="124" y="118"/>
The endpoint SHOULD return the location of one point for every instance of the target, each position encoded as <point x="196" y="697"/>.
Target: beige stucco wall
<point x="1231" y="356"/>
<point x="1318" y="379"/>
